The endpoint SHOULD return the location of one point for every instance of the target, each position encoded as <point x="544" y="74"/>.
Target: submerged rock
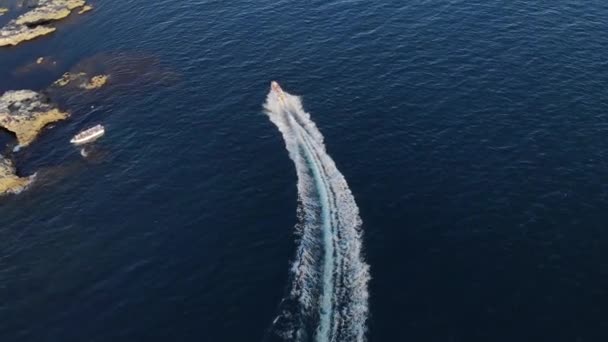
<point x="34" y="23"/>
<point x="3" y="10"/>
<point x="42" y="64"/>
<point x="10" y="183"/>
<point x="26" y="112"/>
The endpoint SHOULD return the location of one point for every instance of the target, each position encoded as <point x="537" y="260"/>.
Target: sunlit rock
<point x="26" y="112"/>
<point x="81" y="80"/>
<point x="10" y="183"/>
<point x="34" y="23"/>
<point x="13" y="34"/>
<point x="69" y="77"/>
<point x="96" y="82"/>
<point x="85" y="9"/>
<point x="49" y="10"/>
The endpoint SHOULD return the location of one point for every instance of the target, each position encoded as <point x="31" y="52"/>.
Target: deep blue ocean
<point x="473" y="136"/>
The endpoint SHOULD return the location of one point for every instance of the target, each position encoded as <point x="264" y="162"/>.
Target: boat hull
<point x="88" y="139"/>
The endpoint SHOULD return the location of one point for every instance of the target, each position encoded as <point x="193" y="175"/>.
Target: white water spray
<point x="328" y="301"/>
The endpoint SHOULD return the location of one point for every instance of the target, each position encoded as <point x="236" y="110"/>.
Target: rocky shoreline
<point x="10" y="183"/>
<point x="26" y="112"/>
<point x="36" y="22"/>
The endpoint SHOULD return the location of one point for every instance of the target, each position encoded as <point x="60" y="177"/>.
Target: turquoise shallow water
<point x="471" y="134"/>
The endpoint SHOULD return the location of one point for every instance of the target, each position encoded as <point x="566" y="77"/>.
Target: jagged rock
<point x="26" y="112"/>
<point x="69" y="77"/>
<point x="96" y="82"/>
<point x="85" y="9"/>
<point x="48" y="10"/>
<point x="13" y="34"/>
<point x="34" y="23"/>
<point x="10" y="183"/>
<point x="81" y="80"/>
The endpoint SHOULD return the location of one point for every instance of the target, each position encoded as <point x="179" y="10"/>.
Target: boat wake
<point x="328" y="297"/>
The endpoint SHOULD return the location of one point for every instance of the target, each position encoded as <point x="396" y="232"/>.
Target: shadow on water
<point x="128" y="73"/>
<point x="128" y="70"/>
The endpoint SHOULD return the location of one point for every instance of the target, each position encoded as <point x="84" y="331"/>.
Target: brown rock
<point x="34" y="23"/>
<point x="85" y="9"/>
<point x="96" y="82"/>
<point x="25" y="113"/>
<point x="81" y="80"/>
<point x="15" y="34"/>
<point x="10" y="183"/>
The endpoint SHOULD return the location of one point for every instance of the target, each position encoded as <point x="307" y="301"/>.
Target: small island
<point x="35" y="23"/>
<point x="26" y="112"/>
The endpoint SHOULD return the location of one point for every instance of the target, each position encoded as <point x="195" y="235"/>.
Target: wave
<point x="328" y="297"/>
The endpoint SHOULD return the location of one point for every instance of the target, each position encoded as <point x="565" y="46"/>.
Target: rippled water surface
<point x="472" y="134"/>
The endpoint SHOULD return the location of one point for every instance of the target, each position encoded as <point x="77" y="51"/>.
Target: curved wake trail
<point x="328" y="297"/>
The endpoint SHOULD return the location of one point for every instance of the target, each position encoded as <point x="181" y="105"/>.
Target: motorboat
<point x="276" y="88"/>
<point x="88" y="135"/>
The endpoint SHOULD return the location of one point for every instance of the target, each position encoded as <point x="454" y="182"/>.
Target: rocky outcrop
<point x="13" y="34"/>
<point x="85" y="9"/>
<point x="10" y="183"/>
<point x="69" y="77"/>
<point x="81" y="80"/>
<point x="26" y="112"/>
<point x="34" y="23"/>
<point x="96" y="82"/>
<point x="3" y="10"/>
<point x="47" y="11"/>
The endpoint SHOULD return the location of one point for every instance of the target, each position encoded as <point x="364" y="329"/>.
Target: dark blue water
<point x="471" y="133"/>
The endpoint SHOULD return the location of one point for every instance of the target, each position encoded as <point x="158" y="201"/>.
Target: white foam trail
<point x="329" y="288"/>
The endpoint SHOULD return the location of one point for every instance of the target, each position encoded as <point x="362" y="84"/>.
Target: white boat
<point x="88" y="135"/>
